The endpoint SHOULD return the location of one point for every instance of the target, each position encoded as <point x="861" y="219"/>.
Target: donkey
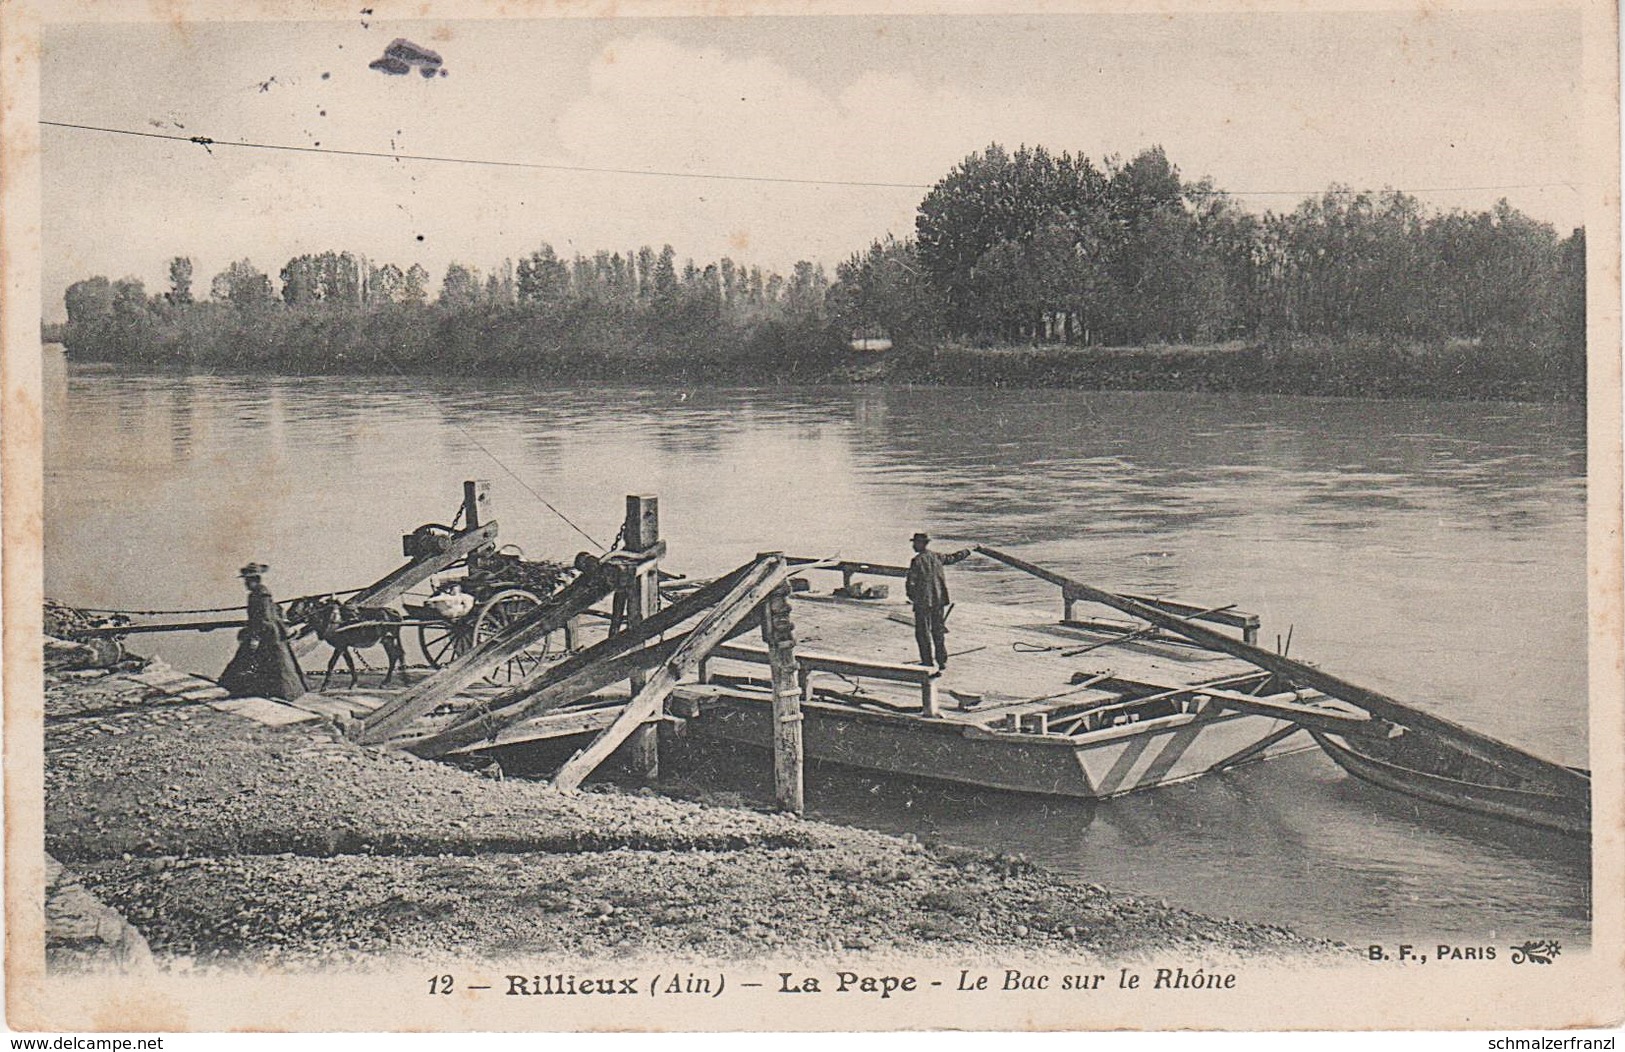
<point x="345" y="628"/>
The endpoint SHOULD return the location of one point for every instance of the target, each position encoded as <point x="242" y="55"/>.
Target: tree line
<point x="1009" y="250"/>
<point x="607" y="315"/>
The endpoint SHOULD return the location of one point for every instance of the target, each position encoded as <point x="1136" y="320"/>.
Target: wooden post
<point x="928" y="696"/>
<point x="748" y="593"/>
<point x="779" y="634"/>
<point x="642" y="531"/>
<point x="476" y="503"/>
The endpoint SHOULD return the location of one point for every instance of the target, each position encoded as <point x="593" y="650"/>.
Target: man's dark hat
<point x="925" y="537"/>
<point x="253" y="570"/>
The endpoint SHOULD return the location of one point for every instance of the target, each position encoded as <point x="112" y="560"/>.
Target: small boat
<point x="1426" y="766"/>
<point x="1425" y="755"/>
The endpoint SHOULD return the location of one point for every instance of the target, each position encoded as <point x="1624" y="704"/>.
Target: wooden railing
<point x="847" y="568"/>
<point x="811" y="661"/>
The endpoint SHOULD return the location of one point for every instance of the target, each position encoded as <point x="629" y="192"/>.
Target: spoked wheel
<point x="444" y="641"/>
<point x="495" y="616"/>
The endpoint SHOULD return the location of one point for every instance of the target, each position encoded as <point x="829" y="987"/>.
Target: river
<point x="1434" y="551"/>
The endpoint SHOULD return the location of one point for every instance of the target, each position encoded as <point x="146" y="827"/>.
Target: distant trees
<point x="386" y="284"/>
<point x="415" y="287"/>
<point x="89" y="302"/>
<point x="460" y="288"/>
<point x="180" y="281"/>
<point x="244" y="287"/>
<point x="542" y="278"/>
<point x="332" y="279"/>
<point x="885" y="291"/>
<point x="1034" y="246"/>
<point x="1027" y="246"/>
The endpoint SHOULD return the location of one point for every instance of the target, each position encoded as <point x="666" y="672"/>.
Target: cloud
<point x="656" y="105"/>
<point x="1267" y="103"/>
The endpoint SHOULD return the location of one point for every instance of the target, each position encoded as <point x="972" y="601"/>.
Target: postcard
<point x="802" y="517"/>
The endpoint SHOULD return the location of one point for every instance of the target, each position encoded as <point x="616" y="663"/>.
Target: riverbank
<point x="262" y="835"/>
<point x="1350" y="368"/>
<point x="1353" y="368"/>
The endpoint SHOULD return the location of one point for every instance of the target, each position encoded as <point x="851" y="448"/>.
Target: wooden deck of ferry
<point x="1019" y="707"/>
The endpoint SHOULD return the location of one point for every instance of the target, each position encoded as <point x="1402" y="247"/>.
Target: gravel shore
<point x="222" y="839"/>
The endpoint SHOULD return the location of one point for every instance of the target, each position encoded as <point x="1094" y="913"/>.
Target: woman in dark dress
<point x="264" y="665"/>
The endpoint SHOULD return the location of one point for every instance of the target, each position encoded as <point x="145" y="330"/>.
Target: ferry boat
<point x="1072" y="706"/>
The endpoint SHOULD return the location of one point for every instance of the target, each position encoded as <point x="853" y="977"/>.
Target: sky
<point x="1460" y="109"/>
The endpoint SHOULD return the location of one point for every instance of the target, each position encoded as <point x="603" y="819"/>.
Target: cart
<point x="497" y="588"/>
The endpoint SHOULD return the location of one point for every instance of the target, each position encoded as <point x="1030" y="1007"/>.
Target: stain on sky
<point x="403" y="56"/>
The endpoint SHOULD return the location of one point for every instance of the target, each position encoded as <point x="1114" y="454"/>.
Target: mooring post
<point x="778" y="632"/>
<point x="476" y="503"/>
<point x="642" y="530"/>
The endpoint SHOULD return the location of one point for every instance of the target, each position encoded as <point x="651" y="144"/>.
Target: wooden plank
<point x="480" y="727"/>
<point x="477" y="506"/>
<point x="755" y="586"/>
<point x="135" y="630"/>
<point x="1243" y="755"/>
<point x="593" y="669"/>
<point x="1281" y="706"/>
<point x="552" y="614"/>
<point x="846" y="567"/>
<point x="1226" y="615"/>
<point x="614" y="646"/>
<point x="1469" y="741"/>
<point x="779" y="634"/>
<point x="546" y="727"/>
<point x="458" y="547"/>
<point x="1172" y="692"/>
<point x="1138" y="633"/>
<point x="821" y="662"/>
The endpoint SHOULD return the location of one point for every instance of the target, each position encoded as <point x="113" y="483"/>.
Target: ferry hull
<point x="1106" y="764"/>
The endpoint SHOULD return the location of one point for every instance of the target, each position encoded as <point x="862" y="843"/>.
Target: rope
<point x="494" y="458"/>
<point x="206" y="142"/>
<point x="855" y="684"/>
<point x="156" y="613"/>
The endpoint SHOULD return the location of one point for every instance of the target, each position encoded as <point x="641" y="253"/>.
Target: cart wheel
<point x="493" y="618"/>
<point x="442" y="642"/>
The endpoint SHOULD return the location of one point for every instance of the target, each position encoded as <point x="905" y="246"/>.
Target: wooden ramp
<point x="648" y="650"/>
